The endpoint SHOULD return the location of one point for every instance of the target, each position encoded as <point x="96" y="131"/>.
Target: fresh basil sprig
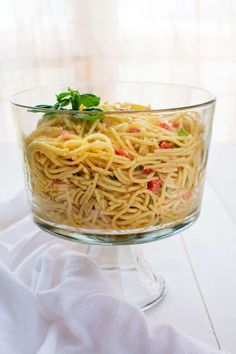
<point x="73" y="99"/>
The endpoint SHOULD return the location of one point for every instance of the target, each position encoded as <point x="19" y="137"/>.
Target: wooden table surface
<point x="199" y="265"/>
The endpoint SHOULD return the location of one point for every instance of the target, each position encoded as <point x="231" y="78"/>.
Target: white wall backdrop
<point x="58" y="41"/>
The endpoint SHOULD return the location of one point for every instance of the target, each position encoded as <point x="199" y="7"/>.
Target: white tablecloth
<point x="55" y="300"/>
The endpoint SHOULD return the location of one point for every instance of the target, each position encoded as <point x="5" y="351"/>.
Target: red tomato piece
<point x="134" y="130"/>
<point x="175" y="124"/>
<point x="56" y="181"/>
<point x="165" y="144"/>
<point x="64" y="135"/>
<point x="147" y="170"/>
<point x="187" y="195"/>
<point x="154" y="186"/>
<point x="121" y="153"/>
<point x="165" y="126"/>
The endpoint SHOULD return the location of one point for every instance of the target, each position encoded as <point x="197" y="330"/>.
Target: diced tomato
<point x="64" y="135"/>
<point x="175" y="124"/>
<point x="134" y="130"/>
<point x="187" y="195"/>
<point x="164" y="144"/>
<point x="165" y="126"/>
<point x="56" y="181"/>
<point x="147" y="170"/>
<point x="121" y="153"/>
<point x="154" y="186"/>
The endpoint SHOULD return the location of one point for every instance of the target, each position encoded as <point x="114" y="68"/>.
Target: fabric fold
<point x="56" y="300"/>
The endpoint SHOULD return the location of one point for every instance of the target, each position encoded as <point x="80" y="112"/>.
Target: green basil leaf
<point x="78" y="100"/>
<point x="71" y="90"/>
<point x="43" y="106"/>
<point x="91" y="117"/>
<point x="56" y="105"/>
<point x="37" y="108"/>
<point x="75" y="100"/>
<point x="93" y="109"/>
<point x="64" y="103"/>
<point x="89" y="100"/>
<point x="62" y="95"/>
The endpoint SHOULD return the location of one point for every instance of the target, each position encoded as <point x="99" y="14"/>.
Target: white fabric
<point x="55" y="300"/>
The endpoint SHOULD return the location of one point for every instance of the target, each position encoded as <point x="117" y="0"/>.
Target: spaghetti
<point x="126" y="170"/>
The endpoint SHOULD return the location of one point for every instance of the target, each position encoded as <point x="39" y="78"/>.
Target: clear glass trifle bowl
<point x="115" y="164"/>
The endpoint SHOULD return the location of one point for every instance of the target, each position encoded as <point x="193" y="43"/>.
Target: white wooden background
<point x="199" y="266"/>
<point x="57" y="41"/>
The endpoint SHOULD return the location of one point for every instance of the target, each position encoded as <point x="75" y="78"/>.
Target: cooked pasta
<point x="126" y="170"/>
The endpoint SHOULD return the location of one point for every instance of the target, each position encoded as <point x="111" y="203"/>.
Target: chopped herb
<point x="182" y="132"/>
<point x="114" y="178"/>
<point x="138" y="168"/>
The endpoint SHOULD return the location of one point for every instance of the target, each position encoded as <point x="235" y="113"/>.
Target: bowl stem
<point x="131" y="275"/>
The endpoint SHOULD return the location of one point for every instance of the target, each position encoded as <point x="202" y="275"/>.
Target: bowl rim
<point x="207" y="102"/>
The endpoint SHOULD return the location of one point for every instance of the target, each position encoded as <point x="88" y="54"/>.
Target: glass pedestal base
<point x="131" y="276"/>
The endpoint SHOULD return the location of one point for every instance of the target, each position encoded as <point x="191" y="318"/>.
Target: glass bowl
<point x="132" y="173"/>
